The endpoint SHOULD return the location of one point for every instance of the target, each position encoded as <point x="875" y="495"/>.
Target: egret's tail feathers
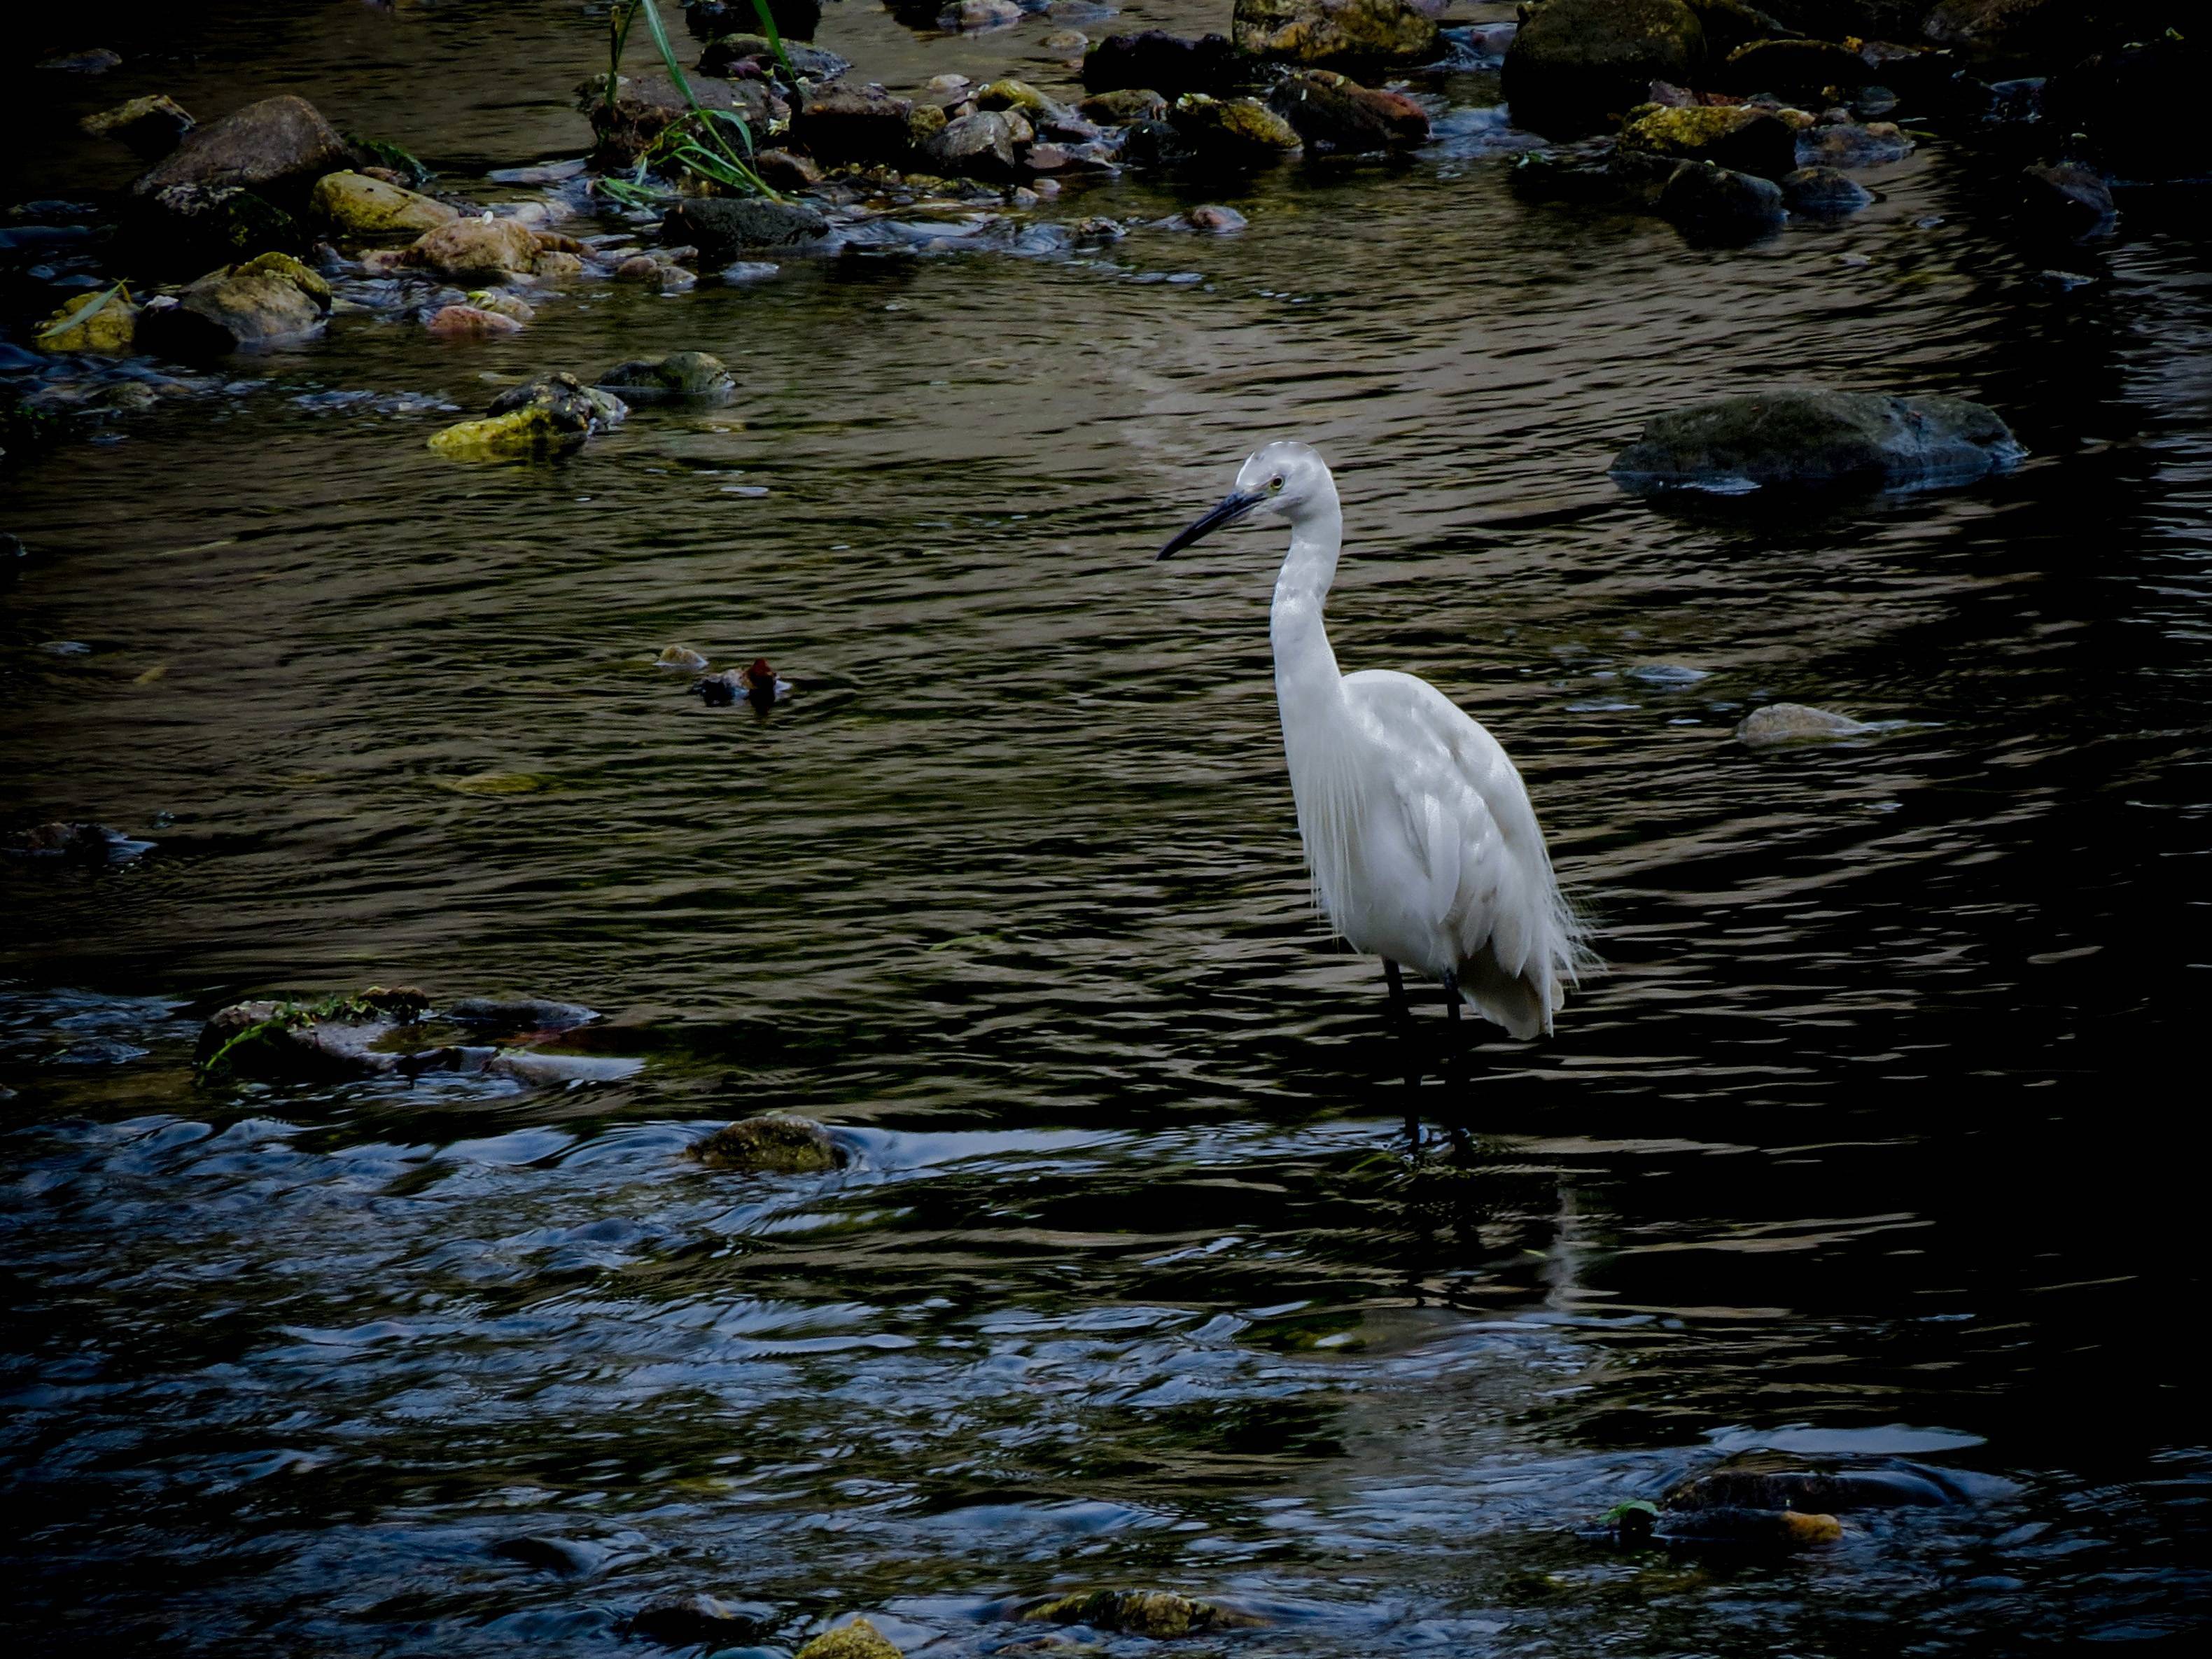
<point x="1519" y="1002"/>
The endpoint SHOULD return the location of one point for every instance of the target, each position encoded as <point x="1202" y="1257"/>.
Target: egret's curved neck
<point x="1307" y="683"/>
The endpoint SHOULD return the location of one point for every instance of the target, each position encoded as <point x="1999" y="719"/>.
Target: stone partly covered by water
<point x="383" y="1031"/>
<point x="688" y="376"/>
<point x="1321" y="33"/>
<point x="1163" y="1615"/>
<point x="1719" y="204"/>
<point x="1823" y="193"/>
<point x="1806" y="435"/>
<point x="266" y="300"/>
<point x="186" y="226"/>
<point x="723" y="228"/>
<point x="1796" y="722"/>
<point x="74" y="844"/>
<point x="476" y="249"/>
<point x="787" y="1145"/>
<point x="1230" y="135"/>
<point x="1574" y="63"/>
<point x="546" y="416"/>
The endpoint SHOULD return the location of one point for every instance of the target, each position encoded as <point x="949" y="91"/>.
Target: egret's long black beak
<point x="1233" y="506"/>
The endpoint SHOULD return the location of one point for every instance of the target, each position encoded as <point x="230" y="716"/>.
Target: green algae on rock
<point x="1161" y="1614"/>
<point x="1736" y="135"/>
<point x="1318" y="34"/>
<point x="1808" y="435"/>
<point x="546" y="416"/>
<point x="858" y="1640"/>
<point x="1334" y="115"/>
<point x="773" y="1142"/>
<point x="1231" y="132"/>
<point x="354" y="204"/>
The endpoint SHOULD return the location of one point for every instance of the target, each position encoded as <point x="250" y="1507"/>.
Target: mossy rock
<point x="152" y="126"/>
<point x="785" y="1146"/>
<point x="858" y="1640"/>
<point x="1015" y="95"/>
<point x="1810" y="436"/>
<point x="696" y="376"/>
<point x="354" y="204"/>
<point x="1231" y="132"/>
<point x="104" y="322"/>
<point x="1118" y="108"/>
<point x="1737" y="136"/>
<point x="332" y="1037"/>
<point x="1160" y="1614"/>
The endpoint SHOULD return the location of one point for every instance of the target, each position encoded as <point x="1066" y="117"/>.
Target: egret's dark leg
<point x="1397" y="986"/>
<point x="1451" y="993"/>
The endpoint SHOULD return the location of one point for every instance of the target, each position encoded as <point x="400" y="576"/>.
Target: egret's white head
<point x="1283" y="478"/>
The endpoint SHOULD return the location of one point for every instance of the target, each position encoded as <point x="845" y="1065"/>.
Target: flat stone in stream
<point x="1166" y="63"/>
<point x="1809" y="1490"/>
<point x="277" y="148"/>
<point x="858" y="1640"/>
<point x="1333" y="33"/>
<point x="773" y="1142"/>
<point x="355" y="204"/>
<point x="1847" y="145"/>
<point x="476" y="250"/>
<point x="2068" y="197"/>
<point x="74" y="842"/>
<point x="978" y="146"/>
<point x="385" y="1032"/>
<point x="1799" y="435"/>
<point x="681" y="376"/>
<point x="723" y="227"/>
<point x="1118" y="108"/>
<point x="1575" y="62"/>
<point x="1796" y="722"/>
<point x="150" y="127"/>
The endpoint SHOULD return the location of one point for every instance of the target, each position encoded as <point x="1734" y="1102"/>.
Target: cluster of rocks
<point x="1726" y="117"/>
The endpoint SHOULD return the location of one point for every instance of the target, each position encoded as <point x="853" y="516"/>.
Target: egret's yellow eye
<point x="1275" y="486"/>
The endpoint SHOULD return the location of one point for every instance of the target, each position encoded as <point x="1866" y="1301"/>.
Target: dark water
<point x="1877" y="1139"/>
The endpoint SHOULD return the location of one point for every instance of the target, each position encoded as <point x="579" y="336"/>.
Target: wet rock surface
<point x="1718" y="204"/>
<point x="1736" y="137"/>
<point x="787" y="1145"/>
<point x="1163" y="1615"/>
<point x="723" y="228"/>
<point x="1153" y="60"/>
<point x="277" y="148"/>
<point x="1334" y="115"/>
<point x="842" y="124"/>
<point x="681" y="376"/>
<point x="393" y="1031"/>
<point x="151" y="126"/>
<point x="860" y="1639"/>
<point x="1801" y="436"/>
<point x="267" y="300"/>
<point x="1823" y="193"/>
<point x="546" y="416"/>
<point x="354" y="204"/>
<point x="1796" y="722"/>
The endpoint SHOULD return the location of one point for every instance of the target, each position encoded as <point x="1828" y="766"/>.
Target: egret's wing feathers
<point x="1467" y="811"/>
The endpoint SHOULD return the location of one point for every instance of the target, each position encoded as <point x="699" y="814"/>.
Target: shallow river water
<point x="1162" y="1259"/>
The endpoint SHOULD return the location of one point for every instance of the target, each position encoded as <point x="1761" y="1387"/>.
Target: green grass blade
<point x="62" y="325"/>
<point x="776" y="39"/>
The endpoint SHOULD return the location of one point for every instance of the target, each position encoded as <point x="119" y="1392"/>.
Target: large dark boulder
<point x="722" y="227"/>
<point x="1163" y="63"/>
<point x="186" y="228"/>
<point x="1805" y="436"/>
<point x="1576" y="64"/>
<point x="2136" y="107"/>
<point x="978" y="146"/>
<point x="277" y="149"/>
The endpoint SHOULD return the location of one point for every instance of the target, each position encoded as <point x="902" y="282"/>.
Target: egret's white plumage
<point x="1419" y="832"/>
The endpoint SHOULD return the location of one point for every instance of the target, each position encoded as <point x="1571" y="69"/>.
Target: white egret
<point x="1423" y="845"/>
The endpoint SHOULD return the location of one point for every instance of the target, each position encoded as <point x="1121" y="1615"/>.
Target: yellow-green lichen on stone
<point x="786" y="1146"/>
<point x="520" y="432"/>
<point x="1160" y="1614"/>
<point x="103" y="322"/>
<point x="858" y="1640"/>
<point x="355" y="204"/>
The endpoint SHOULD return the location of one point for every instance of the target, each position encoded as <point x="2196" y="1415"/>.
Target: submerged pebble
<point x="784" y="1145"/>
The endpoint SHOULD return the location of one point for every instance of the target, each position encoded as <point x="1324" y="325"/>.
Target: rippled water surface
<point x="1161" y="1258"/>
